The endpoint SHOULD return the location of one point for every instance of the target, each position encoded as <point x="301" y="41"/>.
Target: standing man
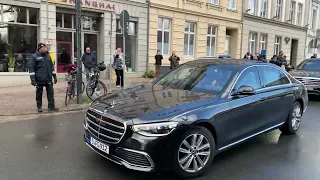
<point x="119" y="65"/>
<point x="41" y="71"/>
<point x="174" y="60"/>
<point x="158" y="63"/>
<point x="89" y="61"/>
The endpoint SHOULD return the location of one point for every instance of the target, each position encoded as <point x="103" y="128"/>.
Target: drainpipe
<point x="111" y="54"/>
<point x="148" y="31"/>
<point x="242" y="19"/>
<point x="47" y="4"/>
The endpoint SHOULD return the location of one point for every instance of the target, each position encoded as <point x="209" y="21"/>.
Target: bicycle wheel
<point x="95" y="90"/>
<point x="83" y="86"/>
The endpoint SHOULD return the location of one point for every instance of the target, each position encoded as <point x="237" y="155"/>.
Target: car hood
<point x="305" y="73"/>
<point x="152" y="103"/>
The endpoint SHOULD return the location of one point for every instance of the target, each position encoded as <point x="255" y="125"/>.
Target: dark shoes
<point x="40" y="110"/>
<point x="53" y="109"/>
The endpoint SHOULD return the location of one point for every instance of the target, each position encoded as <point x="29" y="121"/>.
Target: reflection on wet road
<point x="52" y="148"/>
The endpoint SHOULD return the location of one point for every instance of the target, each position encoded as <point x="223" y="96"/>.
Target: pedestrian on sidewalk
<point x="119" y="66"/>
<point x="174" y="60"/>
<point x="89" y="61"/>
<point x="158" y="63"/>
<point x="41" y="71"/>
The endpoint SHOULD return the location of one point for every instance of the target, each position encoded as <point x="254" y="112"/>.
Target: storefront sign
<point x="88" y="4"/>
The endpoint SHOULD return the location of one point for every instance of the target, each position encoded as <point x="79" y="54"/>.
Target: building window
<point x="252" y="7"/>
<point x="211" y="40"/>
<point x="263" y="8"/>
<point x="292" y="13"/>
<point x="18" y="37"/>
<point x="131" y="44"/>
<point x="277" y="45"/>
<point x="163" y="42"/>
<point x="314" y="18"/>
<point x="232" y="4"/>
<point x="215" y="2"/>
<point x="189" y="38"/>
<point x="252" y="43"/>
<point x="299" y="14"/>
<point x="263" y="42"/>
<point x="278" y="9"/>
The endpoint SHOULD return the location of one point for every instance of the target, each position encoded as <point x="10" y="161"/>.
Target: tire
<point x="294" y="119"/>
<point x="83" y="86"/>
<point x="182" y="153"/>
<point x="103" y="90"/>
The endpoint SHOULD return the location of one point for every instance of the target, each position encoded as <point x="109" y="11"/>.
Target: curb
<point x="44" y="113"/>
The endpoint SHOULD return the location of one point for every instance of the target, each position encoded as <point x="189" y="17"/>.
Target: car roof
<point x="217" y="61"/>
<point x="313" y="59"/>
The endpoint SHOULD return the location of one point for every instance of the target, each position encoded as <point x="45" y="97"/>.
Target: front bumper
<point x="139" y="152"/>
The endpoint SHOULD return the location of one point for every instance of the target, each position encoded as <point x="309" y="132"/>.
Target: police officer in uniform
<point x="41" y="70"/>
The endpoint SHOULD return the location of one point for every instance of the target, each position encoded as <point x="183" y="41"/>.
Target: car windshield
<point x="205" y="79"/>
<point x="309" y="65"/>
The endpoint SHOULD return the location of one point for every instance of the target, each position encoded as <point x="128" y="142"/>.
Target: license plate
<point x="99" y="145"/>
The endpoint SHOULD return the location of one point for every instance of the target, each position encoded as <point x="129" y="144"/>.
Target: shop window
<point x="211" y="40"/>
<point x="189" y="38"/>
<point x="131" y="45"/>
<point x="18" y="37"/>
<point x="163" y="37"/>
<point x="64" y="50"/>
<point x="59" y="20"/>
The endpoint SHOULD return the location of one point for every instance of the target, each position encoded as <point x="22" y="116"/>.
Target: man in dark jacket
<point x="158" y="57"/>
<point x="89" y="61"/>
<point x="41" y="71"/>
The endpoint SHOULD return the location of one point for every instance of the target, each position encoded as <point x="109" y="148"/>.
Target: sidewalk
<point x="21" y="100"/>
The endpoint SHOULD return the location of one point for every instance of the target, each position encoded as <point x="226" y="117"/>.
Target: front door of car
<point x="246" y="110"/>
<point x="280" y="95"/>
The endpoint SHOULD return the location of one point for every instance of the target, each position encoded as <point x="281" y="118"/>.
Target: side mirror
<point x="244" y="90"/>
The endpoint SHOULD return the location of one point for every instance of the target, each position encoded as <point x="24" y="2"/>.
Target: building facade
<point x="271" y="26"/>
<point x="313" y="37"/>
<point x="53" y="22"/>
<point x="194" y="28"/>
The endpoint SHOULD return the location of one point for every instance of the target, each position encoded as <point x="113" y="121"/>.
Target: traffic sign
<point x="124" y="22"/>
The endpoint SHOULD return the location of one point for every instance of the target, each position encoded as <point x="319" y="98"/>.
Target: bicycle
<point x="71" y="79"/>
<point x="93" y="89"/>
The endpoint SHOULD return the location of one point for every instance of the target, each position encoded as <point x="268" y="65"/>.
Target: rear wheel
<point x="195" y="153"/>
<point x="95" y="91"/>
<point x="294" y="119"/>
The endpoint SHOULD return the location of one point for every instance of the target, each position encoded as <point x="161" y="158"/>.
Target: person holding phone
<point x="158" y="57"/>
<point x="174" y="60"/>
<point x="119" y="66"/>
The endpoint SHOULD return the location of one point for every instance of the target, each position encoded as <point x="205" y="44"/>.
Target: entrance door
<point x="294" y="52"/>
<point x="227" y="45"/>
<point x="64" y="51"/>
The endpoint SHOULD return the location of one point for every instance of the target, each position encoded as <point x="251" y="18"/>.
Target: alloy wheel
<point x="296" y="117"/>
<point x="194" y="153"/>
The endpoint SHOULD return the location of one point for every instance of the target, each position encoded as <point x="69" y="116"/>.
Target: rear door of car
<point x="280" y="95"/>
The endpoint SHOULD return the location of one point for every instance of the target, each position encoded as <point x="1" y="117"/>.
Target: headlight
<point x="156" y="129"/>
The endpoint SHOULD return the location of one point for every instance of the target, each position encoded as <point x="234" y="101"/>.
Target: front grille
<point x="309" y="81"/>
<point x="133" y="157"/>
<point x="105" y="128"/>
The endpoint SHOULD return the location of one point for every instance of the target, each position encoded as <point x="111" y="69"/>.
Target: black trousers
<point x="50" y="94"/>
<point x="119" y="74"/>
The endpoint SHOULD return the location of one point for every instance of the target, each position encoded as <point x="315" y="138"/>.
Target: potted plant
<point x="11" y="62"/>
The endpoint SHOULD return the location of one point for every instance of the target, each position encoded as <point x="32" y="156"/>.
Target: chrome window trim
<point x="306" y="77"/>
<point x="263" y="88"/>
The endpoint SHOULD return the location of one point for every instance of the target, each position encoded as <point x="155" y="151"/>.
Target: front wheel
<point x="294" y="119"/>
<point x="195" y="153"/>
<point x="95" y="90"/>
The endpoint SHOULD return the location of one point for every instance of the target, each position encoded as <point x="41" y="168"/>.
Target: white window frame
<point x="277" y="45"/>
<point x="263" y="42"/>
<point x="194" y="38"/>
<point x="163" y="30"/>
<point x="212" y="36"/>
<point x="264" y="8"/>
<point x="278" y="9"/>
<point x="253" y="39"/>
<point x="252" y="6"/>
<point x="299" y="14"/>
<point x="215" y="2"/>
<point x="314" y="17"/>
<point x="292" y="12"/>
<point x="232" y="4"/>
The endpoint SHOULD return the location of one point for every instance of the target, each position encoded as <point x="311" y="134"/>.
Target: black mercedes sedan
<point x="190" y="114"/>
<point x="308" y="73"/>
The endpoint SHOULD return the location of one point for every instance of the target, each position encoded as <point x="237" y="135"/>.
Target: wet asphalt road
<point x="52" y="148"/>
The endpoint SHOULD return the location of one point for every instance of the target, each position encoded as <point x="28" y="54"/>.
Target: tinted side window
<point x="284" y="78"/>
<point x="249" y="77"/>
<point x="270" y="76"/>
